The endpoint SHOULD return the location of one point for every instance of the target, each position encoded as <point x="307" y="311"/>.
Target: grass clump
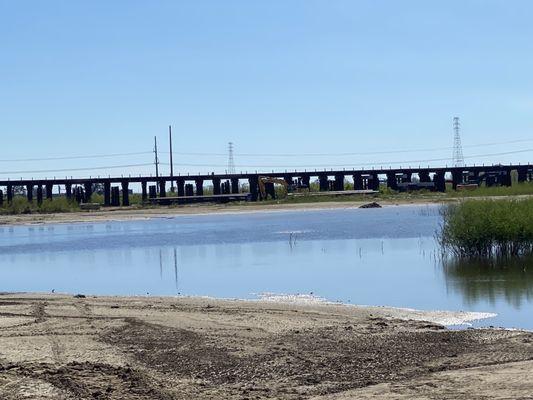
<point x="20" y="205"/>
<point x="488" y="228"/>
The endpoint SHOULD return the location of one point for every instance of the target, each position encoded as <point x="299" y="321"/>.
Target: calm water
<point x="373" y="256"/>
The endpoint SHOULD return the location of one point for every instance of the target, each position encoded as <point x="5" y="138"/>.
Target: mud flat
<point x="62" y="347"/>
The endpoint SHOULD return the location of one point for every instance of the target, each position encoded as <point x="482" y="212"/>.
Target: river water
<point x="385" y="256"/>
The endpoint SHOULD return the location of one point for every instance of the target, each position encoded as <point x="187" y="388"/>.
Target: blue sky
<point x="275" y="77"/>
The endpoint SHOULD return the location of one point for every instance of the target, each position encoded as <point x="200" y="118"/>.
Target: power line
<point x="76" y="169"/>
<point x="405" y="162"/>
<point x="80" y="157"/>
<point x="424" y="150"/>
<point x="76" y="157"/>
<point x="413" y="162"/>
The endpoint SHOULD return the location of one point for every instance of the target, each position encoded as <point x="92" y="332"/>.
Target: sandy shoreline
<point x="136" y="214"/>
<point x="62" y="347"/>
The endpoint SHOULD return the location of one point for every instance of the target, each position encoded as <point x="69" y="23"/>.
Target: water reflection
<point x="376" y="256"/>
<point x="491" y="280"/>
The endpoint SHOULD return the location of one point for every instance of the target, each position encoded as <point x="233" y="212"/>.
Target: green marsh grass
<point x="20" y="205"/>
<point x="488" y="228"/>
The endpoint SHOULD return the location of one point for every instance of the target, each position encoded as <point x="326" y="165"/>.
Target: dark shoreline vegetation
<point x="488" y="228"/>
<point x="60" y="204"/>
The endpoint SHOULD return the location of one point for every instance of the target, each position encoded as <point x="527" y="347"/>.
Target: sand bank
<point x="136" y="213"/>
<point x="61" y="347"/>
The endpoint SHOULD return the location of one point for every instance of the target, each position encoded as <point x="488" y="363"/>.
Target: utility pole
<point x="171" y="163"/>
<point x="156" y="159"/>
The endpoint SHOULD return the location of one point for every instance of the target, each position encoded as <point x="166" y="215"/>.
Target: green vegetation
<point x="515" y="190"/>
<point x="488" y="228"/>
<point x="385" y="193"/>
<point x="60" y="204"/>
<point x="20" y="205"/>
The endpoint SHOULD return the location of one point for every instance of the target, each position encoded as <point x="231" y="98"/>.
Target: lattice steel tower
<point x="458" y="158"/>
<point x="231" y="161"/>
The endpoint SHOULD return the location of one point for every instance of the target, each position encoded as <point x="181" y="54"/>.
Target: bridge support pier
<point x="216" y="186"/>
<point x="180" y="183"/>
<point x="152" y="191"/>
<point x="29" y="192"/>
<point x="144" y="192"/>
<point x="457" y="178"/>
<point x="407" y="178"/>
<point x="374" y="181"/>
<point x="125" y="193"/>
<point x="88" y="192"/>
<point x="39" y="194"/>
<point x="424" y="176"/>
<point x="358" y="182"/>
<point x="68" y="191"/>
<point x="189" y="190"/>
<point x="48" y="191"/>
<point x="522" y="174"/>
<point x="392" y="182"/>
<point x="1" y="198"/>
<point x="439" y="180"/>
<point x="162" y="188"/>
<point x="507" y="179"/>
<point x="107" y="194"/>
<point x="306" y="182"/>
<point x="78" y="194"/>
<point x="9" y="189"/>
<point x="234" y="185"/>
<point x="115" y="196"/>
<point x="199" y="187"/>
<point x="225" y="187"/>
<point x="253" y="182"/>
<point x="339" y="182"/>
<point x="323" y="182"/>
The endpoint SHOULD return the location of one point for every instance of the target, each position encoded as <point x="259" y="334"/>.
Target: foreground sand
<point x="62" y="347"/>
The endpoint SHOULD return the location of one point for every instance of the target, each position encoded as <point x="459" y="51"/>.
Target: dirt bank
<point x="61" y="347"/>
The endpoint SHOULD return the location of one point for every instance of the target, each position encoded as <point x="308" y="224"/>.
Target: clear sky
<point x="275" y="77"/>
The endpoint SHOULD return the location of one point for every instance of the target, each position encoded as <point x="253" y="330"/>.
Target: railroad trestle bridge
<point x="116" y="190"/>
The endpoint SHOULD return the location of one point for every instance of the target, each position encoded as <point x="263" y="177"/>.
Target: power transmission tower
<point x="231" y="161"/>
<point x="458" y="158"/>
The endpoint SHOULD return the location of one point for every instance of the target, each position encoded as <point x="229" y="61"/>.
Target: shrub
<point x="486" y="228"/>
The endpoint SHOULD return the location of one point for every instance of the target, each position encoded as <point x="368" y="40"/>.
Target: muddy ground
<point x="62" y="347"/>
